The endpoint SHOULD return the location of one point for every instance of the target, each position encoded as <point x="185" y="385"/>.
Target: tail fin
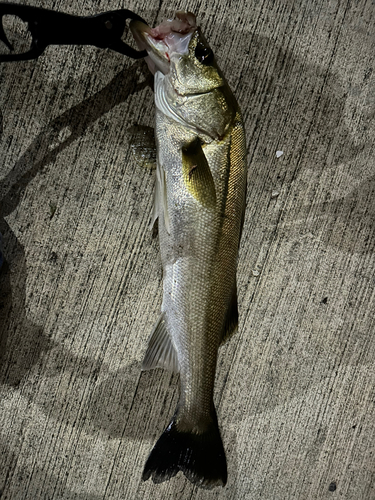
<point x="200" y="457"/>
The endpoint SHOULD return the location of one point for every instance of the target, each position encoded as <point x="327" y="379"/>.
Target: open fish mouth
<point x="171" y="38"/>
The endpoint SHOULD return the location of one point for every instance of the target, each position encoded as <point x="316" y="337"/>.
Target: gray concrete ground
<point x="81" y="285"/>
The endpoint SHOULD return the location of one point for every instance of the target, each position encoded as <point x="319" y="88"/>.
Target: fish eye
<point x="204" y="54"/>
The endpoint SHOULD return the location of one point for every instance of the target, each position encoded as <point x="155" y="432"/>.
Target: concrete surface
<point x="81" y="285"/>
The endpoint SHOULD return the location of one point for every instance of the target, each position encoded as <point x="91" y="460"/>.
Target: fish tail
<point x="200" y="456"/>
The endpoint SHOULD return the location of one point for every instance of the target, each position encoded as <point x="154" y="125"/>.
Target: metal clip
<point x="48" y="27"/>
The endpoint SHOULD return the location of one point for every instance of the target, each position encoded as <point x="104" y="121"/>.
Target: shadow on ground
<point x="28" y="341"/>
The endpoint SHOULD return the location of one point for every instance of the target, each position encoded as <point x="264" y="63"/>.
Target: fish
<point x="199" y="205"/>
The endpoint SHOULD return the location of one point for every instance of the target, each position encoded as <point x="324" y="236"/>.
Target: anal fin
<point x="161" y="352"/>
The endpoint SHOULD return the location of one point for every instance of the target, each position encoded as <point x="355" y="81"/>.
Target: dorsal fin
<point x="231" y="319"/>
<point x="160" y="205"/>
<point x="161" y="352"/>
<point x="197" y="174"/>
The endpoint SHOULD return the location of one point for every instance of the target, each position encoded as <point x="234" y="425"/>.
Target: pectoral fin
<point x="231" y="319"/>
<point x="143" y="148"/>
<point x="142" y="144"/>
<point x="197" y="174"/>
<point x="161" y="352"/>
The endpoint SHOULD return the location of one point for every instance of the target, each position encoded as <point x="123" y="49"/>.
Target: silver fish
<point x="199" y="203"/>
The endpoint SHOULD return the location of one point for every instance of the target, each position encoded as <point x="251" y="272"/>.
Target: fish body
<point x="199" y="203"/>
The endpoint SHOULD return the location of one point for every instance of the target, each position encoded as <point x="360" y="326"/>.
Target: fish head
<point x="178" y="49"/>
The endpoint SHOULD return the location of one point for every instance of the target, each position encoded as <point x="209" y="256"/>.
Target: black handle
<point x="48" y="27"/>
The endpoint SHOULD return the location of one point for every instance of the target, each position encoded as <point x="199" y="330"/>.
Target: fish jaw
<point x="170" y="39"/>
<point x="178" y="49"/>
